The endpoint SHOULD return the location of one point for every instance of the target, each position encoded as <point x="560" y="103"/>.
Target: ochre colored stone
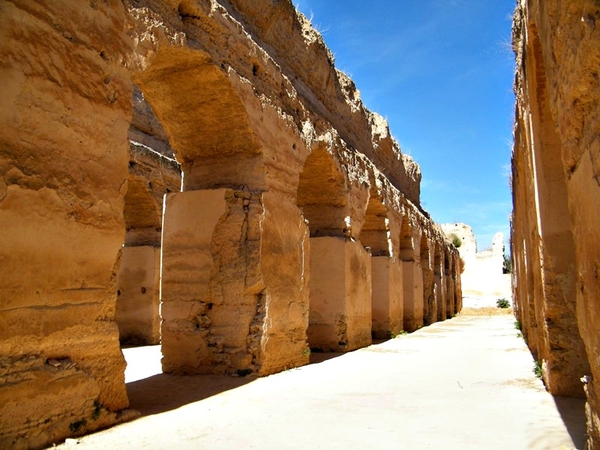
<point x="555" y="234"/>
<point x="207" y="155"/>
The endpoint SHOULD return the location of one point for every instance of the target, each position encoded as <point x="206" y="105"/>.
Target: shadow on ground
<point x="319" y="357"/>
<point x="572" y="412"/>
<point x="164" y="392"/>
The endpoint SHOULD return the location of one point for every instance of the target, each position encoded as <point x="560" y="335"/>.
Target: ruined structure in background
<point x="249" y="187"/>
<point x="483" y="274"/>
<point x="555" y="227"/>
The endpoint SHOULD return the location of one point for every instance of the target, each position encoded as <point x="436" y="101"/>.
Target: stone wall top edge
<point x="303" y="58"/>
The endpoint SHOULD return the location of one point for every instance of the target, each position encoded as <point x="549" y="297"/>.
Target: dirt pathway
<point x="466" y="383"/>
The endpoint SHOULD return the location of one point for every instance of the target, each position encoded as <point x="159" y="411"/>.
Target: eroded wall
<point x="555" y="234"/>
<point x="275" y="150"/>
<point x="65" y="106"/>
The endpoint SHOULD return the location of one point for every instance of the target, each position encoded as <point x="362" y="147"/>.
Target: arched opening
<point x="438" y="279"/>
<point x="407" y="248"/>
<point x="386" y="277"/>
<point x="152" y="173"/>
<point x="375" y="230"/>
<point x="450" y="279"/>
<point x="412" y="278"/>
<point x="213" y="297"/>
<point x="323" y="195"/>
<point x="340" y="268"/>
<point x="205" y="120"/>
<point x="429" y="301"/>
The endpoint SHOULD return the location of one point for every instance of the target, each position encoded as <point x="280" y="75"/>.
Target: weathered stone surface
<point x="340" y="295"/>
<point x="138" y="285"/>
<point x="276" y="152"/>
<point x="555" y="234"/>
<point x="387" y="297"/>
<point x="65" y="102"/>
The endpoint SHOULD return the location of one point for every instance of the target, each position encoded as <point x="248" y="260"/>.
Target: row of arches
<point x="239" y="232"/>
<point x="252" y="277"/>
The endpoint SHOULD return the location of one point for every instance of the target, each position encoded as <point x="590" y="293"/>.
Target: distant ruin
<point x="555" y="172"/>
<point x="484" y="273"/>
<point x="205" y="156"/>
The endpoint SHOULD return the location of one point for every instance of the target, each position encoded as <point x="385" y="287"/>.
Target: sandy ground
<point x="466" y="383"/>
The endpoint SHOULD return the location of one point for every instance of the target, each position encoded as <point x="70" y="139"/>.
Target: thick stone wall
<point x="276" y="153"/>
<point x="555" y="232"/>
<point x="65" y="102"/>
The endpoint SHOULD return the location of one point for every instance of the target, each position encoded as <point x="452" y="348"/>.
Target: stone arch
<point x="386" y="274"/>
<point x="137" y="310"/>
<point x="323" y="194"/>
<point x="412" y="275"/>
<point x="151" y="176"/>
<point x="340" y="268"/>
<point x="438" y="274"/>
<point x="205" y="119"/>
<point x="375" y="230"/>
<point x="407" y="248"/>
<point x="213" y="295"/>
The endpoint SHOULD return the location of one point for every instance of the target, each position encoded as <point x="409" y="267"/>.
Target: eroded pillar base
<point x="340" y="295"/>
<point x="412" y="276"/>
<point x="387" y="301"/>
<point x="234" y="299"/>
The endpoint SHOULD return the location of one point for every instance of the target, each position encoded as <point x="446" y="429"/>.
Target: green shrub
<point x="456" y="241"/>
<point x="502" y="303"/>
<point x="537" y="369"/>
<point x="507" y="265"/>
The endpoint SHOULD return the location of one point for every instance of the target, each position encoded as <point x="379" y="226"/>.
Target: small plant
<point x="306" y="352"/>
<point x="77" y="425"/>
<point x="518" y="325"/>
<point x="519" y="335"/>
<point x="506" y="265"/>
<point x="537" y="369"/>
<point x="456" y="241"/>
<point x="502" y="303"/>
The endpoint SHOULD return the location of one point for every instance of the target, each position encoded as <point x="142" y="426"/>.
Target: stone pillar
<point x="440" y="299"/>
<point x="138" y="296"/>
<point x="340" y="295"/>
<point x="224" y="309"/>
<point x="412" y="289"/>
<point x="387" y="293"/>
<point x="450" y="277"/>
<point x="212" y="290"/>
<point x="439" y="283"/>
<point x="64" y="113"/>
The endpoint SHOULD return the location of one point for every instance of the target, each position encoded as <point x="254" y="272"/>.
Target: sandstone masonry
<point x="204" y="155"/>
<point x="555" y="233"/>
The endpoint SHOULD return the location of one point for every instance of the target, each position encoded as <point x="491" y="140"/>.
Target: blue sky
<point x="441" y="73"/>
